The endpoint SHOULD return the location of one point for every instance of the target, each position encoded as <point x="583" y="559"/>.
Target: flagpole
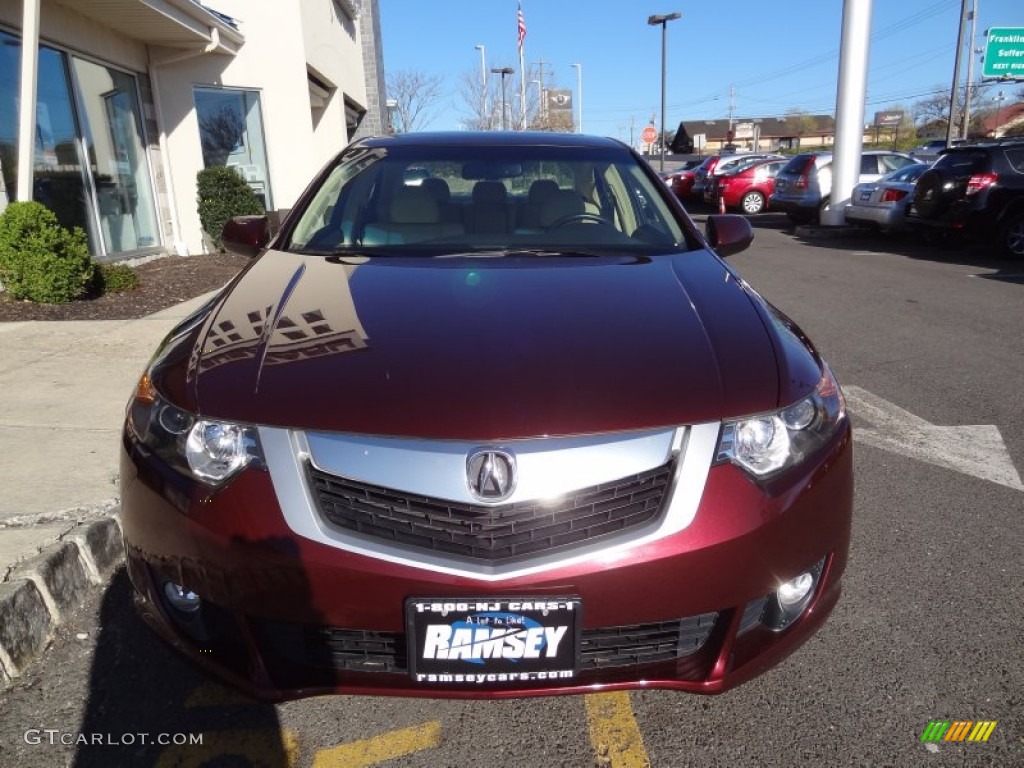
<point x="522" y="92"/>
<point x="521" y="36"/>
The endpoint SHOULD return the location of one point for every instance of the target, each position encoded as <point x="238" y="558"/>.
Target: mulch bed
<point x="162" y="283"/>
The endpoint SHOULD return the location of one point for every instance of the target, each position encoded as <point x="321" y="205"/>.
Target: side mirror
<point x="728" y="233"/>
<point x="245" y="235"/>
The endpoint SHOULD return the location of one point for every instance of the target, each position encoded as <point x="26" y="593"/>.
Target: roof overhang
<point x="168" y="23"/>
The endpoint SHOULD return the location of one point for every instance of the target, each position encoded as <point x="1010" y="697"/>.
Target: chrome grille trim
<point x="287" y="451"/>
<point x="491" y="533"/>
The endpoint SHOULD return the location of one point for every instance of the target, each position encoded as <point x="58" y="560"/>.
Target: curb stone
<point x="44" y="589"/>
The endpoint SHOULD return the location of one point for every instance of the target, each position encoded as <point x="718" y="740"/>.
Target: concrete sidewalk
<point x="64" y="389"/>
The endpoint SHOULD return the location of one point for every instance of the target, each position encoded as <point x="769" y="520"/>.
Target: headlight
<point x="204" y="449"/>
<point x="774" y="441"/>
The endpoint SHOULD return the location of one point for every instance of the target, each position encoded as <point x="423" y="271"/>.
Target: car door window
<point x="869" y="165"/>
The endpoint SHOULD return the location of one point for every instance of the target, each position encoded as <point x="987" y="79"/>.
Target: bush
<point x="39" y="259"/>
<point x="223" y="194"/>
<point x="117" y="278"/>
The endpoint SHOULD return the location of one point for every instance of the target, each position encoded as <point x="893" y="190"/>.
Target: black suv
<point x="975" y="189"/>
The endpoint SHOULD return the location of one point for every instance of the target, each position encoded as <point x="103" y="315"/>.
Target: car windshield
<point x="431" y="200"/>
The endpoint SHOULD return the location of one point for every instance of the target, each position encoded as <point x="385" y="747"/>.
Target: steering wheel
<point x="592" y="217"/>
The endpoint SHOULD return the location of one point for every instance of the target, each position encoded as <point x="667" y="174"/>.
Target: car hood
<point x="481" y="348"/>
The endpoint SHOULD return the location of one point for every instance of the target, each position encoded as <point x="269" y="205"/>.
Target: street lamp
<point x="483" y="84"/>
<point x="579" y="94"/>
<point x="503" y="71"/>
<point x="663" y="19"/>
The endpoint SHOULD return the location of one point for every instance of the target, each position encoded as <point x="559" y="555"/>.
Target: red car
<point x="749" y="187"/>
<point x="516" y="430"/>
<point x="680" y="180"/>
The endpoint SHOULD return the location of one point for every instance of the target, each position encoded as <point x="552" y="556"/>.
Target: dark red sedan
<point x="680" y="180"/>
<point x="748" y="187"/>
<point x="515" y="430"/>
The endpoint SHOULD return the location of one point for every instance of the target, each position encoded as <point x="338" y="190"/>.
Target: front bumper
<point x="285" y="617"/>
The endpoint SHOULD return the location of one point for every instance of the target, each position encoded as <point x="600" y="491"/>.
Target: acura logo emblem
<point x="491" y="475"/>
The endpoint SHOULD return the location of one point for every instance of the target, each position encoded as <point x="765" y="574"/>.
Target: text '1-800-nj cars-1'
<point x="487" y="417"/>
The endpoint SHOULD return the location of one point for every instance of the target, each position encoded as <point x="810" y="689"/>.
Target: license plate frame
<point x="493" y="640"/>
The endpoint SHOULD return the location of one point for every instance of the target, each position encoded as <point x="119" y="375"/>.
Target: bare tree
<point x="416" y="97"/>
<point x="478" y="98"/>
<point x="932" y="112"/>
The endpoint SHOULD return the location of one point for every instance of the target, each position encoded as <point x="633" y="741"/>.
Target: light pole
<point x="483" y="84"/>
<point x="999" y="109"/>
<point x="503" y="71"/>
<point x="663" y="19"/>
<point x="540" y="104"/>
<point x="579" y="94"/>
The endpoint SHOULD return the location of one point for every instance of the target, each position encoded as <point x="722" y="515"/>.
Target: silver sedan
<point x="883" y="203"/>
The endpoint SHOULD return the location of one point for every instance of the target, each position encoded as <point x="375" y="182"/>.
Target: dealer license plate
<point x="865" y="195"/>
<point x="492" y="641"/>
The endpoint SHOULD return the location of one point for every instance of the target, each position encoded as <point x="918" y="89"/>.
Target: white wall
<point x="280" y="39"/>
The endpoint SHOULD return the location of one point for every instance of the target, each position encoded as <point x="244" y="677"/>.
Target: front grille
<point x="644" y="643"/>
<point x="490" y="534"/>
<point x="354" y="650"/>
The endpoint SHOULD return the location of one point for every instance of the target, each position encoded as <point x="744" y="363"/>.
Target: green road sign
<point x="1004" y="54"/>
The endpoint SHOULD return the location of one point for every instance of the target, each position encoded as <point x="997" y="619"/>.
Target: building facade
<point x="133" y="97"/>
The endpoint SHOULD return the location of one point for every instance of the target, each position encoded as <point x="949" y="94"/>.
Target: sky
<point x="776" y="56"/>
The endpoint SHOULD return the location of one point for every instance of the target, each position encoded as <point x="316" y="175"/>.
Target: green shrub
<point x="223" y="194"/>
<point x="39" y="259"/>
<point x="117" y="278"/>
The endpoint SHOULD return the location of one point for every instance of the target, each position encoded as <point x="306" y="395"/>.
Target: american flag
<point x="522" y="27"/>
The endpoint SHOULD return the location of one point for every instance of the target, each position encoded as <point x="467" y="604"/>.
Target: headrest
<point x="414" y="205"/>
<point x="541" y="190"/>
<point x="489" y="192"/>
<point x="438" y="189"/>
<point x="563" y="203"/>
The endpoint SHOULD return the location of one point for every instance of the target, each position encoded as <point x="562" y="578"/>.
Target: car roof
<point x="491" y="138"/>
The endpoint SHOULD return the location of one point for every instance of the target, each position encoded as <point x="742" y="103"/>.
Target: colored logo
<point x="958" y="730"/>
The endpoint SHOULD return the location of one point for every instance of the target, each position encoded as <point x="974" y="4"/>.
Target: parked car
<point x="748" y="187"/>
<point x="977" y="190"/>
<point x="530" y="450"/>
<point x="680" y="180"/>
<point x="803" y="188"/>
<point x="929" y="151"/>
<point x="729" y="164"/>
<point x="719" y="164"/>
<point x="883" y="203"/>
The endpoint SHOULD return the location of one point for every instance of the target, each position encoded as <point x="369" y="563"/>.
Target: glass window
<point x="869" y="165"/>
<point x="231" y="132"/>
<point x="428" y="200"/>
<point x="101" y="184"/>
<point x="117" y="157"/>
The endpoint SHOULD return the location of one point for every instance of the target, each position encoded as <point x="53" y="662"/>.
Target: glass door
<point x="112" y="133"/>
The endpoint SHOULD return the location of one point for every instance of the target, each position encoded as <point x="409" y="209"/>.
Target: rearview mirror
<point x="728" y="233"/>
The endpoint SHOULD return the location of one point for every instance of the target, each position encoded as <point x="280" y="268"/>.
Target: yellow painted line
<point x="386" y="746"/>
<point x="215" y="695"/>
<point x="265" y="748"/>
<point x="614" y="733"/>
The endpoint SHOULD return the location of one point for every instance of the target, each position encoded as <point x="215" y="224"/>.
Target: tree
<point x="416" y="97"/>
<point x="932" y="112"/>
<point x="799" y="122"/>
<point x="478" y="98"/>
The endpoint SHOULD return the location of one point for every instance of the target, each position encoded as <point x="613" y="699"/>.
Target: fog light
<point x="792" y="597"/>
<point x="180" y="598"/>
<point x="795" y="590"/>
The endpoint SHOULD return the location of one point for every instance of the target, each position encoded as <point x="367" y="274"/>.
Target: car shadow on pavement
<point x="141" y="693"/>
